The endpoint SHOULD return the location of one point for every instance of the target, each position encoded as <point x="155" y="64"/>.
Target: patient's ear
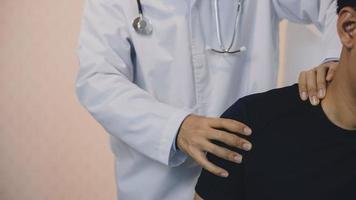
<point x="346" y="27"/>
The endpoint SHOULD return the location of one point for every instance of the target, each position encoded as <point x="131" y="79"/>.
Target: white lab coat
<point x="140" y="88"/>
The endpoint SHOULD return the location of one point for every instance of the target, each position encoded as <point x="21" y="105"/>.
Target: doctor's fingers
<point x="313" y="83"/>
<point x="200" y="158"/>
<point x="312" y="87"/>
<point x="229" y="139"/>
<point x="321" y="81"/>
<point x="325" y="73"/>
<point x="230" y="125"/>
<point x="222" y="152"/>
<point x="332" y="67"/>
<point x="302" y="85"/>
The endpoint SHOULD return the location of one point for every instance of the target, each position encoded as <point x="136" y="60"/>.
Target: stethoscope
<point x="223" y="48"/>
<point x="143" y="26"/>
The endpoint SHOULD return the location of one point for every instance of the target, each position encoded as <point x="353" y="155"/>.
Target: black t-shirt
<point x="297" y="153"/>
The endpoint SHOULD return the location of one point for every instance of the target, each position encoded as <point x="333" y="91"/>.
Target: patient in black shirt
<point x="297" y="153"/>
<point x="300" y="152"/>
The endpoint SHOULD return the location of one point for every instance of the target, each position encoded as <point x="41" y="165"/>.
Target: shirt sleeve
<point x="321" y="13"/>
<point x="211" y="187"/>
<point x="105" y="87"/>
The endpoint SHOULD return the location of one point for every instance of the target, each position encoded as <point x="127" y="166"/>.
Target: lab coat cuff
<point x="168" y="154"/>
<point x="174" y="145"/>
<point x="331" y="60"/>
<point x="176" y="156"/>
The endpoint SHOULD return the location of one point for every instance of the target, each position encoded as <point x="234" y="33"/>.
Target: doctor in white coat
<point x="158" y="94"/>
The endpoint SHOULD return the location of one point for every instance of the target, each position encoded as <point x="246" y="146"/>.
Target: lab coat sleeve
<point x="321" y="13"/>
<point x="105" y="87"/>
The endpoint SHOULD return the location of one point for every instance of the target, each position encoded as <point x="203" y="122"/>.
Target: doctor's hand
<point x="197" y="133"/>
<point x="313" y="83"/>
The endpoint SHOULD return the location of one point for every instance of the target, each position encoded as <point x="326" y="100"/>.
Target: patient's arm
<point x="197" y="197"/>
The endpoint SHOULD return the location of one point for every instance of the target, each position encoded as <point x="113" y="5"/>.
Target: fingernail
<point x="304" y="96"/>
<point x="247" y="146"/>
<point x="314" y="100"/>
<point x="247" y="131"/>
<point x="321" y="93"/>
<point x="238" y="159"/>
<point x="224" y="174"/>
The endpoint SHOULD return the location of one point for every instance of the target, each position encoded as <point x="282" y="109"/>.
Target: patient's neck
<point x="340" y="101"/>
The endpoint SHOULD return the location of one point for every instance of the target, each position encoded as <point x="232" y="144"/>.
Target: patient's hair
<point x="345" y="3"/>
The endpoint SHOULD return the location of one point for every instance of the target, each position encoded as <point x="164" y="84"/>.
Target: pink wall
<point x="50" y="148"/>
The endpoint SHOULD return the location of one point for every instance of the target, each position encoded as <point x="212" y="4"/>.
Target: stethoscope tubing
<point x="223" y="48"/>
<point x="147" y="29"/>
<point x="139" y="7"/>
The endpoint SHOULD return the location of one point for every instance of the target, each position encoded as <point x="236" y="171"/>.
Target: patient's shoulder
<point x="276" y="98"/>
<point x="259" y="109"/>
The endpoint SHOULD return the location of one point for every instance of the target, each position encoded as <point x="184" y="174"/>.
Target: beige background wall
<point x="50" y="148"/>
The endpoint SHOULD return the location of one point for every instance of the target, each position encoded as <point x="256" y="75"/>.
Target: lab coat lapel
<point x="201" y="72"/>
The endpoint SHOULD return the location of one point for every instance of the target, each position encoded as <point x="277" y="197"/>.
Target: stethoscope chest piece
<point x="142" y="25"/>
